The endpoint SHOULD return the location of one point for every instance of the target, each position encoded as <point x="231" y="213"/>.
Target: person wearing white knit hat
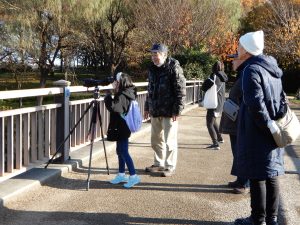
<point x="258" y="158"/>
<point x="250" y="44"/>
<point x="253" y="42"/>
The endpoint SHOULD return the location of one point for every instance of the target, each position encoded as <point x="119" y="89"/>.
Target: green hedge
<point x="196" y="63"/>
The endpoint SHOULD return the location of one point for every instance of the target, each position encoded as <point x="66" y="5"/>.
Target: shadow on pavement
<point x="76" y="184"/>
<point x="294" y="153"/>
<point x="79" y="218"/>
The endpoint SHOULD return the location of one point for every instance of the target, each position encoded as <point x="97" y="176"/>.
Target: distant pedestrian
<point x="218" y="77"/>
<point x="164" y="103"/>
<point x="118" y="130"/>
<point x="258" y="157"/>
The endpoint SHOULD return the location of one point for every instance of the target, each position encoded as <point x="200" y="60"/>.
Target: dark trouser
<point x="212" y="126"/>
<point x="244" y="182"/>
<point x="264" y="199"/>
<point x="124" y="157"/>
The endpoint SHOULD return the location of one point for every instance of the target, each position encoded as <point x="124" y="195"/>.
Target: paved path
<point x="197" y="194"/>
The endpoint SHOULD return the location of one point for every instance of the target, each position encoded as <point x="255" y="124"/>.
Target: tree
<point x="47" y="27"/>
<point x="223" y="39"/>
<point x="280" y="21"/>
<point x="108" y="36"/>
<point x="248" y="5"/>
<point x="185" y="23"/>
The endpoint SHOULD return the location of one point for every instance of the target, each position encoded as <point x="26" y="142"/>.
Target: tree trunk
<point x="112" y="69"/>
<point x="43" y="79"/>
<point x="61" y="61"/>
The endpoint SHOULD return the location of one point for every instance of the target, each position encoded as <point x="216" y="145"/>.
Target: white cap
<point x="118" y="76"/>
<point x="253" y="42"/>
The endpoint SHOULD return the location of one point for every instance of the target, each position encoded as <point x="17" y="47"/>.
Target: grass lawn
<point x="31" y="80"/>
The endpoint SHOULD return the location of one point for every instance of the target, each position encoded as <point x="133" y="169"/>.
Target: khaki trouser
<point x="164" y="141"/>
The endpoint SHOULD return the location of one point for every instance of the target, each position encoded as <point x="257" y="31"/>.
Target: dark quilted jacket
<point x="166" y="89"/>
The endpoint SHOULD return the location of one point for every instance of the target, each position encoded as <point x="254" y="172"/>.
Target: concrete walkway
<point x="197" y="194"/>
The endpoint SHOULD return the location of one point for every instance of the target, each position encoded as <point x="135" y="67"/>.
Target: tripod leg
<point x="92" y="132"/>
<point x="62" y="144"/>
<point x="102" y="137"/>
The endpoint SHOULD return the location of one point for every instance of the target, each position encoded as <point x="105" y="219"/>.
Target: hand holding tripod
<point x="92" y="131"/>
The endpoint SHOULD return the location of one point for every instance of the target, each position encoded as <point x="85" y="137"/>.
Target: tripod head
<point x="90" y="82"/>
<point x="96" y="94"/>
<point x="96" y="83"/>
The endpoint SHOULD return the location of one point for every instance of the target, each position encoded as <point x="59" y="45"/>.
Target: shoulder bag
<point x="231" y="109"/>
<point x="210" y="99"/>
<point x="289" y="129"/>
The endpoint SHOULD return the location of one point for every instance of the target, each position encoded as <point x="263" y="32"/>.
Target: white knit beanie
<point x="253" y="42"/>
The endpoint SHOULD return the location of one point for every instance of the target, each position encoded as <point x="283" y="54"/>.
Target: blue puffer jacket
<point x="258" y="157"/>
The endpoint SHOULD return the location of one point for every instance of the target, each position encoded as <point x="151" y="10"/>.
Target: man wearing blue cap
<point x="164" y="103"/>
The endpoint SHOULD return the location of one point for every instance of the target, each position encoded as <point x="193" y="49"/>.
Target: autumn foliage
<point x="280" y="21"/>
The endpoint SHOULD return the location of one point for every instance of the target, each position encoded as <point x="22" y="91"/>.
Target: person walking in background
<point x="218" y="77"/>
<point x="258" y="157"/>
<point x="164" y="103"/>
<point x="118" y="130"/>
<point x="228" y="126"/>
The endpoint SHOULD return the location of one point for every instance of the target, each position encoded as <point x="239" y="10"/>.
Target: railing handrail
<point x="11" y="94"/>
<point x="13" y="112"/>
<point x="31" y="135"/>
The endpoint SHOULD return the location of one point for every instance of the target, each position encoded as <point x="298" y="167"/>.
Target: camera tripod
<point x="92" y="130"/>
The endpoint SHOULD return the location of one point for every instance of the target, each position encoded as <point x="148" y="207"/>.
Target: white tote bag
<point x="210" y="100"/>
<point x="289" y="129"/>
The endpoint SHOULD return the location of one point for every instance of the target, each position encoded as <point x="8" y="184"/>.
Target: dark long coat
<point x="258" y="157"/>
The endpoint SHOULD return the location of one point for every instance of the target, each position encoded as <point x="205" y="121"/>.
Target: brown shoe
<point x="153" y="169"/>
<point x="168" y="173"/>
<point x="241" y="190"/>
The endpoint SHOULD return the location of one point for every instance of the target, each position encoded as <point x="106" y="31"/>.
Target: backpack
<point x="133" y="117"/>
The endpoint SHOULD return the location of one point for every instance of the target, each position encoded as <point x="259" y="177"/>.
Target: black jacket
<point x="221" y="78"/>
<point x="117" y="128"/>
<point x="166" y="89"/>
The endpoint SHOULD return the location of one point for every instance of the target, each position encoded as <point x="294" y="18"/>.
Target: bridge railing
<point x="30" y="136"/>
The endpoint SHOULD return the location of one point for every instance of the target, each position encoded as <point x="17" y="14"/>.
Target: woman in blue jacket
<point x="258" y="157"/>
<point x="118" y="130"/>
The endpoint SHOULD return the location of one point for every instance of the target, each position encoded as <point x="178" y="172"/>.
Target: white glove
<point x="273" y="127"/>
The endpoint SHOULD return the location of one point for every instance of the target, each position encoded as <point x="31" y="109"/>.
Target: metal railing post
<point x="194" y="93"/>
<point x="63" y="119"/>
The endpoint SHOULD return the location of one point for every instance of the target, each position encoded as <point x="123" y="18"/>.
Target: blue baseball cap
<point x="157" y="47"/>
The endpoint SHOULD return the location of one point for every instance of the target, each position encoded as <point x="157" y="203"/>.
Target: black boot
<point x="272" y="220"/>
